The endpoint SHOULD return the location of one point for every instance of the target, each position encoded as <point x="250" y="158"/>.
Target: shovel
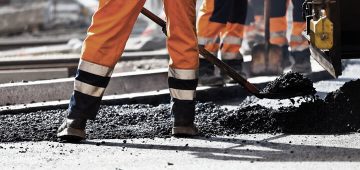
<point x="267" y="57"/>
<point x="224" y="67"/>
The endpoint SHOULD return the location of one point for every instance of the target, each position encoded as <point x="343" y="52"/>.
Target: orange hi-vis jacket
<point x="221" y="26"/>
<point x="105" y="42"/>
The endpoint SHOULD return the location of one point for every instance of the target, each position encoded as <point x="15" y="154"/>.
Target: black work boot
<point x="184" y="115"/>
<point x="207" y="75"/>
<point x="302" y="61"/>
<point x="237" y="66"/>
<point x="72" y="130"/>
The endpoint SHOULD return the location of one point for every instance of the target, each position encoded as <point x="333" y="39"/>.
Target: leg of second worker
<point x="298" y="44"/>
<point x="258" y="7"/>
<point x="105" y="42"/>
<point x="254" y="30"/>
<point x="209" y="36"/>
<point x="232" y="38"/>
<point x="183" y="50"/>
<point x="250" y="29"/>
<point x="278" y="28"/>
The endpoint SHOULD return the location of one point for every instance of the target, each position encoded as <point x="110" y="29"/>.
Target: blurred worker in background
<point x="254" y="27"/>
<point x="220" y="26"/>
<point x="106" y="38"/>
<point x="299" y="47"/>
<point x="4" y="2"/>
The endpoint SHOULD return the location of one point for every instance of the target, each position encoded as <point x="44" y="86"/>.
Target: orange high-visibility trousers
<point x="111" y="27"/>
<point x="221" y="26"/>
<point x="105" y="42"/>
<point x="278" y="25"/>
<point x="254" y="28"/>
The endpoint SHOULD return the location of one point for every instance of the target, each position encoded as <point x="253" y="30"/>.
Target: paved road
<point x="257" y="151"/>
<point x="260" y="151"/>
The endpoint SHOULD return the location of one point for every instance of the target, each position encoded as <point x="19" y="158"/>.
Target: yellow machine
<point x="333" y="31"/>
<point x="322" y="32"/>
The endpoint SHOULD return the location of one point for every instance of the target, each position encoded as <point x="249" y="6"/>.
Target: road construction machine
<point x="333" y="31"/>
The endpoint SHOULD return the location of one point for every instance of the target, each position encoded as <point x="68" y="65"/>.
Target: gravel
<point x="338" y="113"/>
<point x="290" y="83"/>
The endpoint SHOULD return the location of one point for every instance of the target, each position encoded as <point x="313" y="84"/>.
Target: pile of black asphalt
<point x="339" y="112"/>
<point x="290" y="83"/>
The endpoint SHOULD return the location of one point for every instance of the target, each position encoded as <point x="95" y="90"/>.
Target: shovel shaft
<point x="155" y="18"/>
<point x="228" y="70"/>
<point x="267" y="11"/>
<point x="208" y="56"/>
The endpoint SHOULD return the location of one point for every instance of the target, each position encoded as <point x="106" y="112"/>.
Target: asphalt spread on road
<point x="339" y="112"/>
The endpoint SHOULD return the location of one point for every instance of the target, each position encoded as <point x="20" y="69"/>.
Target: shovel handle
<point x="267" y="11"/>
<point x="208" y="56"/>
<point x="155" y="18"/>
<point x="229" y="71"/>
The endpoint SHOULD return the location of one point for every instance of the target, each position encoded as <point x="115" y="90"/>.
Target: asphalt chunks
<point x="339" y="112"/>
<point x="290" y="83"/>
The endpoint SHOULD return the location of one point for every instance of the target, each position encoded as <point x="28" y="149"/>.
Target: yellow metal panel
<point x="322" y="33"/>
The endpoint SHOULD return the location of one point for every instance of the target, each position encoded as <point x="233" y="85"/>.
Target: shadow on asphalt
<point x="254" y="150"/>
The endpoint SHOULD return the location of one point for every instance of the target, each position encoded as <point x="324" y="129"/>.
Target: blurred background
<point x="42" y="39"/>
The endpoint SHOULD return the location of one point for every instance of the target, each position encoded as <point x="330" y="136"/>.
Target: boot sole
<point x="71" y="134"/>
<point x="184" y="131"/>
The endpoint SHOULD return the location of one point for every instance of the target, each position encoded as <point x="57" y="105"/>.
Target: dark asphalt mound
<point x="290" y="83"/>
<point x="338" y="113"/>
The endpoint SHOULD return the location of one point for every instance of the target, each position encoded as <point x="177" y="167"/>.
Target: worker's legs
<point x="232" y="38"/>
<point x="183" y="50"/>
<point x="209" y="36"/>
<point x="259" y="22"/>
<point x="278" y="28"/>
<point x="278" y="23"/>
<point x="102" y="48"/>
<point x="254" y="28"/>
<point x="298" y="44"/>
<point x="208" y="29"/>
<point x="258" y="7"/>
<point x="250" y="29"/>
<point x="104" y="44"/>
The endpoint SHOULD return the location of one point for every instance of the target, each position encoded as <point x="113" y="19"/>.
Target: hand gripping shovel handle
<point x="210" y="57"/>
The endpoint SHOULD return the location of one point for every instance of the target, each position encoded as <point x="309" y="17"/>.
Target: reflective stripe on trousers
<point x="105" y="42"/>
<point x="182" y="87"/>
<point x="297" y="41"/>
<point x="182" y="83"/>
<point x="278" y="24"/>
<point x="89" y="86"/>
<point x="217" y="22"/>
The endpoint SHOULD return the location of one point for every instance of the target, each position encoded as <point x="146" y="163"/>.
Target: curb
<point x="204" y="94"/>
